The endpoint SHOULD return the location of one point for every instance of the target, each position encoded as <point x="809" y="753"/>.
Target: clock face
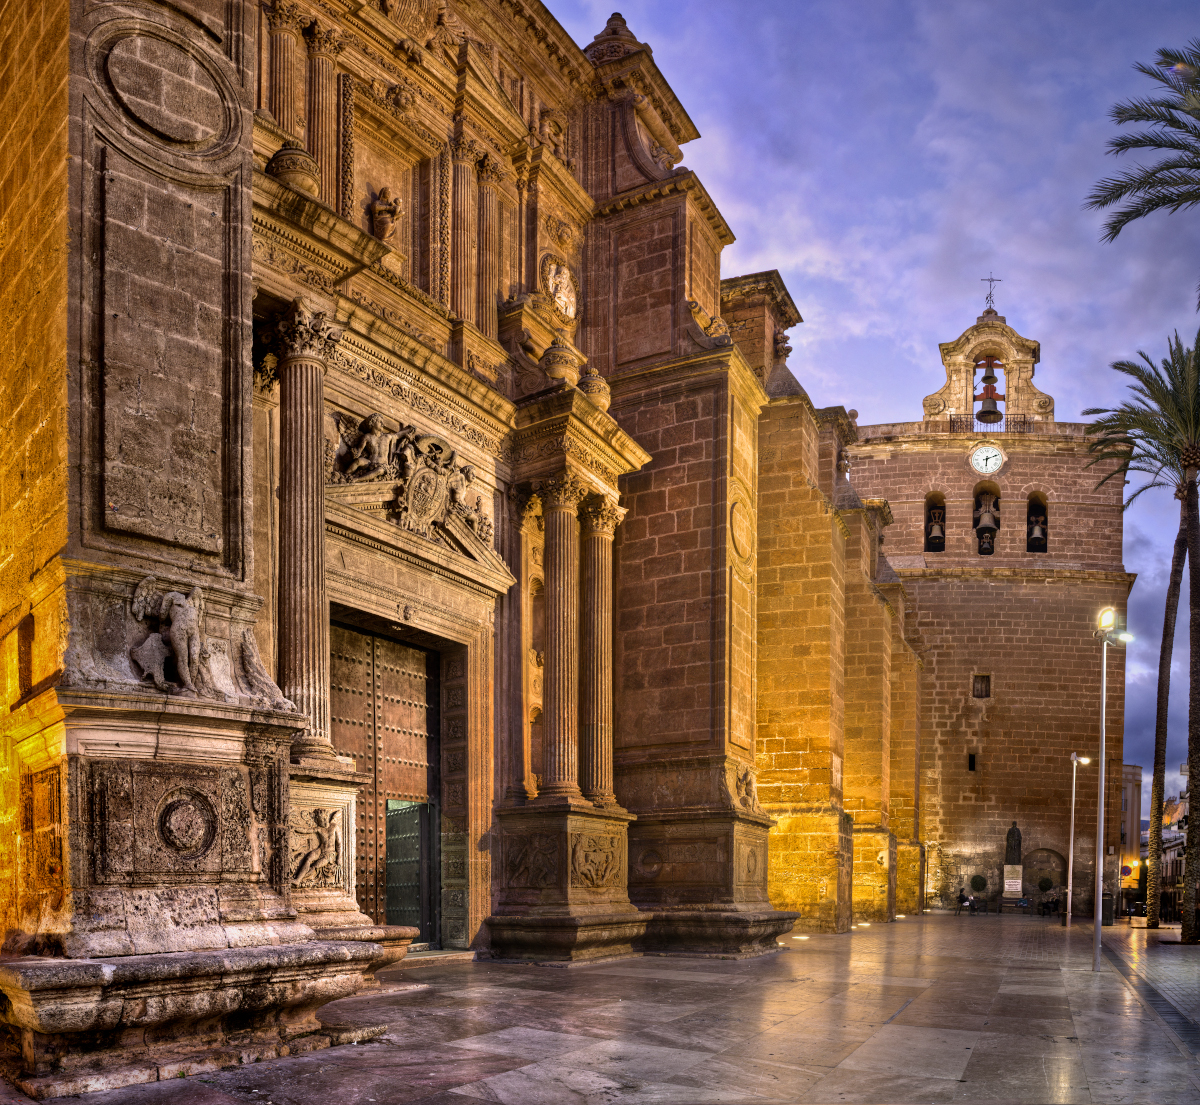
<point x="987" y="459"/>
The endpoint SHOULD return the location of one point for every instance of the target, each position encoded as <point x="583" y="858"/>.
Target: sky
<point x="886" y="155"/>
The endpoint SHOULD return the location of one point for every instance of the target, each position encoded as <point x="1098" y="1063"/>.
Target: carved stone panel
<point x="531" y="860"/>
<point x="41" y="827"/>
<point x="597" y="859"/>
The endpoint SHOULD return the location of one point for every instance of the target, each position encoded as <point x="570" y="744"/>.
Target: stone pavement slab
<point x="931" y="1009"/>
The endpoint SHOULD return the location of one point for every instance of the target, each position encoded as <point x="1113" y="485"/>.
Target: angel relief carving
<point x="430" y="483"/>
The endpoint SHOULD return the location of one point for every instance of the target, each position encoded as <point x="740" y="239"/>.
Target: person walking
<point x="962" y="900"/>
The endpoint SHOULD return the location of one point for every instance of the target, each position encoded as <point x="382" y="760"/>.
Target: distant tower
<point x="1007" y="550"/>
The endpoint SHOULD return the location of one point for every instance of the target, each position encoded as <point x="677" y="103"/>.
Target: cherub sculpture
<point x="370" y="451"/>
<point x="326" y="836"/>
<point x="384" y="213"/>
<point x="179" y="620"/>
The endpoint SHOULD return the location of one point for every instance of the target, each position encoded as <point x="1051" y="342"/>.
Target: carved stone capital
<point x="562" y="492"/>
<point x="283" y="18"/>
<point x="601" y="515"/>
<point x="324" y="41"/>
<point x="465" y="149"/>
<point x="490" y="169"/>
<point x="303" y="333"/>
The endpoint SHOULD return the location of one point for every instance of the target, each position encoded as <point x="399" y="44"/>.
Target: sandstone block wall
<point x="34" y="429"/>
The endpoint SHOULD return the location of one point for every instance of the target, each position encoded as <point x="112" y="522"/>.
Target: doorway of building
<point x="384" y="712"/>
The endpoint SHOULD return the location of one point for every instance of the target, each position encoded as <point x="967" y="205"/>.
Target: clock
<point x="987" y="459"/>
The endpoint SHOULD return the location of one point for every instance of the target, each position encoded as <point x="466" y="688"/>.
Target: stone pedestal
<point x="564" y="897"/>
<point x="1012" y="885"/>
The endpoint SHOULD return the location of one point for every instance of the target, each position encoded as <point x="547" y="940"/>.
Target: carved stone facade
<point x="400" y="536"/>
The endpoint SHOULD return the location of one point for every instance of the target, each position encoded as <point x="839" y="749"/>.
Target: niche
<point x="935" y="522"/>
<point x="1037" y="520"/>
<point x="987" y="517"/>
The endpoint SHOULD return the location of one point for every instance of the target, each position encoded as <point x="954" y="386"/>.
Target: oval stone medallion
<point x="187" y="824"/>
<point x="166" y="90"/>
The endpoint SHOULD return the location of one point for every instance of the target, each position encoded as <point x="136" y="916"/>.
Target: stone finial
<point x="294" y="166"/>
<point x="560" y="362"/>
<point x="306" y="333"/>
<point x="613" y="43"/>
<point x="595" y="387"/>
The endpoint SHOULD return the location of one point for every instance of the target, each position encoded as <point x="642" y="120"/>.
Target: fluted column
<point x="490" y="174"/>
<point x="464" y="155"/>
<point x="560" y="503"/>
<point x="324" y="45"/>
<point x="306" y="341"/>
<point x="283" y="21"/>
<point x="600" y="519"/>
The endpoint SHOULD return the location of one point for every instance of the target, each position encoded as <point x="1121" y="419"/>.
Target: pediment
<point x="365" y="513"/>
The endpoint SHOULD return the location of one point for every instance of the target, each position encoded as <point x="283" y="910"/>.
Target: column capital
<point x="601" y="515"/>
<point x="283" y="17"/>
<point x="306" y="333"/>
<point x="562" y="492"/>
<point x="324" y="41"/>
<point x="491" y="170"/>
<point x="465" y="149"/>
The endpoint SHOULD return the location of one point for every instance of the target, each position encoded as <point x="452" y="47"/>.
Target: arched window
<point x="987" y="517"/>
<point x="935" y="522"/>
<point x="1037" y="524"/>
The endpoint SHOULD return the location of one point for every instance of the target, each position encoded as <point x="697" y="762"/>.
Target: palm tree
<point x="1157" y="434"/>
<point x="1173" y="118"/>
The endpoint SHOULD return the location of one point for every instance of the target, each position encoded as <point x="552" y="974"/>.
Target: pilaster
<point x="324" y="46"/>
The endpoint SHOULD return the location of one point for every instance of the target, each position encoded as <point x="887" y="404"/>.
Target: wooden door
<point x="383" y="712"/>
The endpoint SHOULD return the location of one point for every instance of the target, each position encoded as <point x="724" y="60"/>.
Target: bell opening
<point x="1037" y="527"/>
<point x="935" y="523"/>
<point x="987" y="517"/>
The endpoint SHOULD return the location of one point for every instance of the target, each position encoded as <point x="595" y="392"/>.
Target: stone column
<point x="464" y="155"/>
<point x="490" y="175"/>
<point x="283" y="20"/>
<point x="560" y="503"/>
<point x="324" y="45"/>
<point x="306" y="341"/>
<point x="600" y="519"/>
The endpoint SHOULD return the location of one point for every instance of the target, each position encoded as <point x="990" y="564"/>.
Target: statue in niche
<point x="325" y="837"/>
<point x="384" y="213"/>
<point x="178" y="637"/>
<point x="1012" y="846"/>
<point x="560" y="287"/>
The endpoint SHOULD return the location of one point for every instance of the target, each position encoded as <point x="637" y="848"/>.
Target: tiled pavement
<point x="934" y="1009"/>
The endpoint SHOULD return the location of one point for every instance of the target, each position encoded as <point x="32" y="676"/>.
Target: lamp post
<point x="1110" y="629"/>
<point x="1076" y="760"/>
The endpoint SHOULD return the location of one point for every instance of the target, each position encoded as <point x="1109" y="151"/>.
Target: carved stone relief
<point x="560" y="286"/>
<point x="531" y="860"/>
<point x="597" y="859"/>
<point x="317" y="850"/>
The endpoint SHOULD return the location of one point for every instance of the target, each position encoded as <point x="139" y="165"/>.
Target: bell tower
<point x="1004" y="548"/>
<point x="989" y="345"/>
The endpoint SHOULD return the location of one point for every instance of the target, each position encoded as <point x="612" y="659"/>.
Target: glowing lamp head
<point x="1124" y="638"/>
<point x="1107" y="618"/>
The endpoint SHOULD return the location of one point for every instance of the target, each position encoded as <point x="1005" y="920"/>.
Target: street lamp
<point x="1110" y="630"/>
<point x="1076" y="760"/>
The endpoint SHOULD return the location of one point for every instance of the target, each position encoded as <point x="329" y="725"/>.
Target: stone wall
<point x="35" y="428"/>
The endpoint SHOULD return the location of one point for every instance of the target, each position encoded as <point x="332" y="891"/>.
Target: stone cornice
<point x="1032" y="575"/>
<point x="843" y="427"/>
<point x="767" y="284"/>
<point x="679" y="373"/>
<point x="680" y="183"/>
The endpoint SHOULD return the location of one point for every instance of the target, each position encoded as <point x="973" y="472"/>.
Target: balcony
<point x="1011" y="424"/>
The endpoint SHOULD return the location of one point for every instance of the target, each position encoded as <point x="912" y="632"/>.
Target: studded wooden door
<point x="383" y="712"/>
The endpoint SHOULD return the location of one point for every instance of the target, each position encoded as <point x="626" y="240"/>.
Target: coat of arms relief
<point x="429" y="483"/>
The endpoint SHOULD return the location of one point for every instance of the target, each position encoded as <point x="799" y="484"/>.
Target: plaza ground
<point x="932" y="1009"/>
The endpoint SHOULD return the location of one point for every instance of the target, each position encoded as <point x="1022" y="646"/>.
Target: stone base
<point x="716" y="934"/>
<point x="569" y="938"/>
<point x="811" y="864"/>
<point x="393" y="940"/>
<point x="874" y="875"/>
<point x="95" y="1024"/>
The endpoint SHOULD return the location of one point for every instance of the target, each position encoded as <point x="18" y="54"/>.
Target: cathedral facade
<point x="411" y="540"/>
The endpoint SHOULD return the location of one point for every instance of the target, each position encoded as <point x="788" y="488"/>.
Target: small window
<point x="970" y="761"/>
<point x="25" y="631"/>
<point x="981" y="686"/>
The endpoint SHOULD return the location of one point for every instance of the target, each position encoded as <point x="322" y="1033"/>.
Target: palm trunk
<point x="1191" y="868"/>
<point x="1154" y="857"/>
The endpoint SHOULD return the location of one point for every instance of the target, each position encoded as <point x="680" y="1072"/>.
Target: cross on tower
<point x="990" y="281"/>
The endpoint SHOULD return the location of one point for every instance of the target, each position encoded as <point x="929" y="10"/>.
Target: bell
<point x="987" y="521"/>
<point x="1037" y="532"/>
<point x="988" y="411"/>
<point x="987" y="542"/>
<point x="936" y="532"/>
